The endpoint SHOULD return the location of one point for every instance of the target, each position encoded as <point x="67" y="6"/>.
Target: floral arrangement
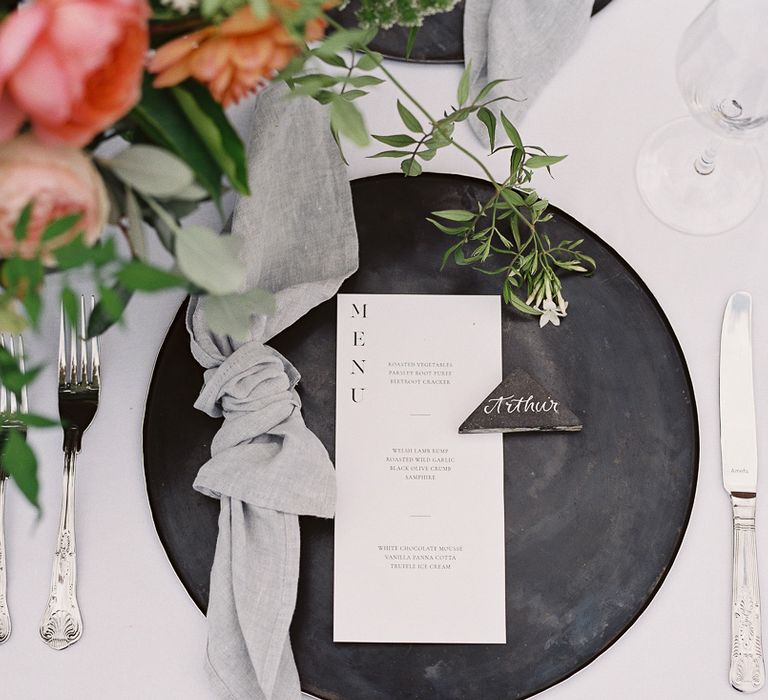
<point x="113" y="123"/>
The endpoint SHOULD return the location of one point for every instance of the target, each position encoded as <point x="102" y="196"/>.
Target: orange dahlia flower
<point x="233" y="58"/>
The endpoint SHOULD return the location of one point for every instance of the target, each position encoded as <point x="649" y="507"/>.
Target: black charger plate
<point x="593" y="519"/>
<point x="439" y="40"/>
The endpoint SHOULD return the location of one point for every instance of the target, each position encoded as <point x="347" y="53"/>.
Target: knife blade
<point x="738" y="437"/>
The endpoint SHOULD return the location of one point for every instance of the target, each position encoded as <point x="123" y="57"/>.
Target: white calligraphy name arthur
<point x="521" y="404"/>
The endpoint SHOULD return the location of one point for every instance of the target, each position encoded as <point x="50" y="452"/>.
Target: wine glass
<point x="700" y="174"/>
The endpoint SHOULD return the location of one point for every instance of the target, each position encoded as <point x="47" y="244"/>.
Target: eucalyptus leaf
<point x="152" y="170"/>
<point x="232" y="314"/>
<point x="161" y="119"/>
<point x="210" y="260"/>
<point x="135" y="224"/>
<point x="193" y="193"/>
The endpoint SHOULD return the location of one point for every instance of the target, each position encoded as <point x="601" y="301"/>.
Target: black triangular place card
<point x="517" y="405"/>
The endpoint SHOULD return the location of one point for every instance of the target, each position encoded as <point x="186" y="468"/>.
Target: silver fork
<point x="79" y="382"/>
<point x="9" y="422"/>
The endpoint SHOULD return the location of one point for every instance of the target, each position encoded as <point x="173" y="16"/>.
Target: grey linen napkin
<point x="523" y="39"/>
<point x="267" y="467"/>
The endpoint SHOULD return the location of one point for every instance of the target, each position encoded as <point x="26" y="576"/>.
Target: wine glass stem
<point x="705" y="163"/>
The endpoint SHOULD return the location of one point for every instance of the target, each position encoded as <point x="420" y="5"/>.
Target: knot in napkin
<point x="264" y="454"/>
<point x="298" y="241"/>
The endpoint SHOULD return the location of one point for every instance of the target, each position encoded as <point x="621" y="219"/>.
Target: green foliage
<point x="506" y="229"/>
<point x="16" y="457"/>
<point x="232" y="314"/>
<point x="406" y="13"/>
<point x="503" y="227"/>
<point x="18" y="460"/>
<point x="152" y="170"/>
<point x="212" y="126"/>
<point x="188" y="122"/>
<point x="209" y="260"/>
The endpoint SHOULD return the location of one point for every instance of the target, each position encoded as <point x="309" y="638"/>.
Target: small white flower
<point x="552" y="312"/>
<point x="183" y="6"/>
<point x="549" y="314"/>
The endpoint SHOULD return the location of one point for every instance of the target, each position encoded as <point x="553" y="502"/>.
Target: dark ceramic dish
<point x="594" y="519"/>
<point x="439" y="40"/>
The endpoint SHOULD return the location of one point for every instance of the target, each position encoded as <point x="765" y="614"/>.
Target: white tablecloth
<point x="144" y="638"/>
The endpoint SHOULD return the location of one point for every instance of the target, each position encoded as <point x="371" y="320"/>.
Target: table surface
<point x="143" y="635"/>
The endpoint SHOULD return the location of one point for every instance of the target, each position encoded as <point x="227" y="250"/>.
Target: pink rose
<point x="59" y="180"/>
<point x="71" y="67"/>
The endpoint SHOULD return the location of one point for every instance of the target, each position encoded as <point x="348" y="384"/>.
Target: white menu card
<point x="419" y="533"/>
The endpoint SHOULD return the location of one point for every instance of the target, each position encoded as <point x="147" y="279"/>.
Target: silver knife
<point x="739" y="448"/>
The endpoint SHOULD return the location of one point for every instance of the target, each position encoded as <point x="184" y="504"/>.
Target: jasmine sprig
<point x="502" y="235"/>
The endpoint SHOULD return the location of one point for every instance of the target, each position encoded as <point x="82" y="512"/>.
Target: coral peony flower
<point x="234" y="58"/>
<point x="58" y="180"/>
<point x="71" y="67"/>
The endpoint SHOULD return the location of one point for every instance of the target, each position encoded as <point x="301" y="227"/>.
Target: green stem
<point x="352" y="65"/>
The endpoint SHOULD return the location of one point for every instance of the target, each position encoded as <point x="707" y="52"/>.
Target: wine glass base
<point x="682" y="198"/>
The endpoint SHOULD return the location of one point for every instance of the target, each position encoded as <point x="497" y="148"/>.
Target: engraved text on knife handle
<point x="5" y="618"/>
<point x="747" y="669"/>
<point x="62" y="624"/>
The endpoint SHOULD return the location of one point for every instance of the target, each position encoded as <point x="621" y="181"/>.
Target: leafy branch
<point x="502" y="235"/>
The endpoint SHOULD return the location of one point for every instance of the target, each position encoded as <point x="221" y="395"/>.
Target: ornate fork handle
<point x="62" y="624"/>
<point x="747" y="669"/>
<point x="5" y="618"/>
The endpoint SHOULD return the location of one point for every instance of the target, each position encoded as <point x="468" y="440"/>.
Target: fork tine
<point x="95" y="364"/>
<point x="3" y="391"/>
<point x="8" y="345"/>
<point x="83" y="366"/>
<point x="62" y="350"/>
<point x="73" y="352"/>
<point x="23" y="367"/>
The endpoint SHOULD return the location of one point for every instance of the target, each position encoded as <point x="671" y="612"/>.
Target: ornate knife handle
<point x="5" y="618"/>
<point x="62" y="624"/>
<point x="747" y="669"/>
